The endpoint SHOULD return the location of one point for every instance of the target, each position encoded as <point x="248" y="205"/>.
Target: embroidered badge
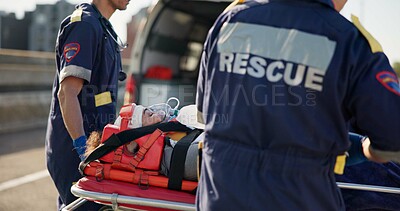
<point x="71" y="50"/>
<point x="389" y="81"/>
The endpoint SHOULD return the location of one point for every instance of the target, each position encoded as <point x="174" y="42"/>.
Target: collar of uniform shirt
<point x="106" y="24"/>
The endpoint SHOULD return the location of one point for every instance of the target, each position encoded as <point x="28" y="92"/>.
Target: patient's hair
<point x="92" y="142"/>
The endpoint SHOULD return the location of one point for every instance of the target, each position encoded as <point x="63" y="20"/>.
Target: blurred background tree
<point x="396" y="67"/>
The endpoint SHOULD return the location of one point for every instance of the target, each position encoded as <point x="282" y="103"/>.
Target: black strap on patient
<point x="126" y="136"/>
<point x="178" y="158"/>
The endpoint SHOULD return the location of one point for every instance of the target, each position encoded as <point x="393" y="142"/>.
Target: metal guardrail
<point x="37" y="55"/>
<point x="28" y="69"/>
<point x="27" y="54"/>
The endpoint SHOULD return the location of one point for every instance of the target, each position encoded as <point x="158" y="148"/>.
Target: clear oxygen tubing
<point x="165" y="110"/>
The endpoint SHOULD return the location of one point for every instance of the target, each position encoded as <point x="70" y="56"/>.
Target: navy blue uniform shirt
<point x="278" y="83"/>
<point x="84" y="49"/>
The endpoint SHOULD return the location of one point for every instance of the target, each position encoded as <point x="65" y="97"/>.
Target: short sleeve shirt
<point x="273" y="81"/>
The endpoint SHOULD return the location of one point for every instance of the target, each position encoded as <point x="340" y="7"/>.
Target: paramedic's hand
<point x="356" y="154"/>
<point x="80" y="146"/>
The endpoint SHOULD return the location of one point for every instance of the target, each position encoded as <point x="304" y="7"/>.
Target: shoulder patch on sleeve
<point x="71" y="50"/>
<point x="373" y="43"/>
<point x="76" y="15"/>
<point x="389" y="81"/>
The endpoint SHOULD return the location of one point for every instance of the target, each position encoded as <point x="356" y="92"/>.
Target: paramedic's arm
<point x="370" y="155"/>
<point x="374" y="100"/>
<point x="379" y="156"/>
<point x="70" y="87"/>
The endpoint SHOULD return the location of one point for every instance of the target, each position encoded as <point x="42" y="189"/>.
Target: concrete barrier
<point x="26" y="79"/>
<point x="26" y="70"/>
<point x="23" y="110"/>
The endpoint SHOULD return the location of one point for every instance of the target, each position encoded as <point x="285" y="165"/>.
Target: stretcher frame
<point x="115" y="199"/>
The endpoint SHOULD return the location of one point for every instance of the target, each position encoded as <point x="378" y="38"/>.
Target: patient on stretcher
<point x="145" y="116"/>
<point x="358" y="170"/>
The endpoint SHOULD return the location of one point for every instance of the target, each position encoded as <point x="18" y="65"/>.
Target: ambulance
<point x="167" y="50"/>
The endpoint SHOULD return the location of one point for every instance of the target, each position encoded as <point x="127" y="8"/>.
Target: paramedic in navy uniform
<point x="278" y="83"/>
<point x="84" y="91"/>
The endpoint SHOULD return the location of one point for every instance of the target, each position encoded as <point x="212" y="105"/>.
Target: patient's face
<point x="148" y="118"/>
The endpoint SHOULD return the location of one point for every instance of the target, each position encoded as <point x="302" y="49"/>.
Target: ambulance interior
<point x="166" y="54"/>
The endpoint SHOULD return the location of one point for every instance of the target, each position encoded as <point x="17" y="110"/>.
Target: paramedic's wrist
<point x="356" y="154"/>
<point x="369" y="152"/>
<point x="80" y="146"/>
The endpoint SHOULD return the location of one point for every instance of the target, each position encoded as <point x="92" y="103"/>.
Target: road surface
<point x="24" y="181"/>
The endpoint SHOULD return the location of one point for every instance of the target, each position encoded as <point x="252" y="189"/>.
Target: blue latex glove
<point x="356" y="154"/>
<point x="80" y="146"/>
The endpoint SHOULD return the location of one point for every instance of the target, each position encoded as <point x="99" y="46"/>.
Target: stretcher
<point x="129" y="196"/>
<point x="126" y="196"/>
<point x="123" y="190"/>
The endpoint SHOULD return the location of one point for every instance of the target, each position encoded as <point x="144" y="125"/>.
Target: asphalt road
<point x="24" y="181"/>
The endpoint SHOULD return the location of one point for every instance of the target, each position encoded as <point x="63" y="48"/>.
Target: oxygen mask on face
<point x="164" y="110"/>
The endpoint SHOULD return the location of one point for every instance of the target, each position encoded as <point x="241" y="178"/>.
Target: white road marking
<point x="23" y="180"/>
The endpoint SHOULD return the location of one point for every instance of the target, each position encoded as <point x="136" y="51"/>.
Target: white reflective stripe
<point x="277" y="43"/>
<point x="76" y="71"/>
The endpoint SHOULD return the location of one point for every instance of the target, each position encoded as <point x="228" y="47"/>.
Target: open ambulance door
<point x="167" y="50"/>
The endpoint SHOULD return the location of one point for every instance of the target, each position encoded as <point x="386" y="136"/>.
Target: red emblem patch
<point x="71" y="50"/>
<point x="389" y="80"/>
